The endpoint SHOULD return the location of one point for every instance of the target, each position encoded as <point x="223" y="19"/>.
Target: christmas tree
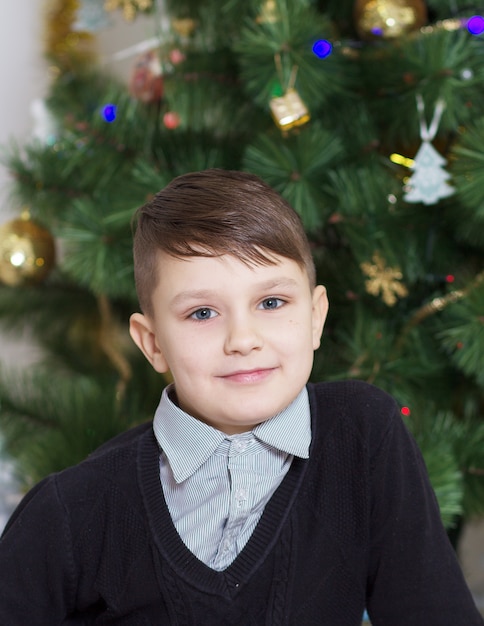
<point x="366" y="116"/>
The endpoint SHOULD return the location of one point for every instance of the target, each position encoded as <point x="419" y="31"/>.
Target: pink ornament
<point x="176" y="56"/>
<point x="171" y="120"/>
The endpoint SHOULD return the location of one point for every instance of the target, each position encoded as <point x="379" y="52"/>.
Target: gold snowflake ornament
<point x="383" y="280"/>
<point x="129" y="7"/>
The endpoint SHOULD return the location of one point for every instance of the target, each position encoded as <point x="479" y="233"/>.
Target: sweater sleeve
<point x="36" y="561"/>
<point x="414" y="576"/>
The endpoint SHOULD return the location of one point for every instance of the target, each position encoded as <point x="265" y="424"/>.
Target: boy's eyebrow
<point x="207" y="294"/>
<point x="192" y="294"/>
<point x="276" y="283"/>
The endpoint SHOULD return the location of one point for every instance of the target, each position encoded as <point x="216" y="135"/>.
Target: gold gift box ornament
<point x="289" y="110"/>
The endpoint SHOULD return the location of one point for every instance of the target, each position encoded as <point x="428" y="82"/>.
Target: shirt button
<point x="226" y="546"/>
<point x="241" y="496"/>
<point x="239" y="445"/>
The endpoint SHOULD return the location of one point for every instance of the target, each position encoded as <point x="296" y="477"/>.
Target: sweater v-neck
<point x="171" y="547"/>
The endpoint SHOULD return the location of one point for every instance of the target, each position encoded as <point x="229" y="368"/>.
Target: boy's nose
<point x="242" y="336"/>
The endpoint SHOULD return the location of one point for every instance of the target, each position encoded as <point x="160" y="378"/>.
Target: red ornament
<point x="146" y="83"/>
<point x="335" y="218"/>
<point x="171" y="120"/>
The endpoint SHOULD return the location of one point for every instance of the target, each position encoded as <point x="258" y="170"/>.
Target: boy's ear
<point x="320" y="310"/>
<point x="142" y="333"/>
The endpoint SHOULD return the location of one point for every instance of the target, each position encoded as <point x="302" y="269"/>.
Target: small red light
<point x="449" y="278"/>
<point x="405" y="411"/>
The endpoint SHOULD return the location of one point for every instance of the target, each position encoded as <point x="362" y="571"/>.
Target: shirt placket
<point x="238" y="464"/>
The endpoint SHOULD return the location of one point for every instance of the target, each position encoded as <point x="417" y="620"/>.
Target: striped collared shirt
<point x="216" y="485"/>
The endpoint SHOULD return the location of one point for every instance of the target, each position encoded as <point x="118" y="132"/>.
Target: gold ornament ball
<point x="27" y="252"/>
<point x="388" y="19"/>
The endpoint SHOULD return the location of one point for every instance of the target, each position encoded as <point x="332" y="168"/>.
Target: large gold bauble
<point x="388" y="19"/>
<point x="27" y="252"/>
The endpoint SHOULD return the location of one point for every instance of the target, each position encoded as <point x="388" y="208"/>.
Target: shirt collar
<point x="289" y="430"/>
<point x="188" y="442"/>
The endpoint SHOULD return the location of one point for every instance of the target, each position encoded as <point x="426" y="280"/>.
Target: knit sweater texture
<point x="355" y="525"/>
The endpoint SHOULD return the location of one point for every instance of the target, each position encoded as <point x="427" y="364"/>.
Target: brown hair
<point x="212" y="213"/>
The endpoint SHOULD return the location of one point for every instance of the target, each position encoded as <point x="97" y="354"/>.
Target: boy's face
<point x="238" y="340"/>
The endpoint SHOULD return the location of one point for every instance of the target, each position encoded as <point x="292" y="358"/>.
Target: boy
<point x="254" y="498"/>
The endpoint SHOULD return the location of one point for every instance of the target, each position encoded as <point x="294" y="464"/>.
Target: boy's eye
<point x="203" y="314"/>
<point x="272" y="303"/>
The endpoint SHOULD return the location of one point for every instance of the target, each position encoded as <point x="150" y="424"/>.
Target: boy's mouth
<point x="249" y="376"/>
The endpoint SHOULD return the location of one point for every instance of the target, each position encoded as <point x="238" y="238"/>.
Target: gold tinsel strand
<point x="449" y="25"/>
<point x="441" y="302"/>
<point x="435" y="306"/>
<point x="130" y="8"/>
<point x="110" y="345"/>
<point x="62" y="44"/>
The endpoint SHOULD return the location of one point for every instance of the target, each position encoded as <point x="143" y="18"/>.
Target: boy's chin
<point x="234" y="424"/>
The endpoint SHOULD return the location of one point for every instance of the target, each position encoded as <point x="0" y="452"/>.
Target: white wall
<point x="23" y="77"/>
